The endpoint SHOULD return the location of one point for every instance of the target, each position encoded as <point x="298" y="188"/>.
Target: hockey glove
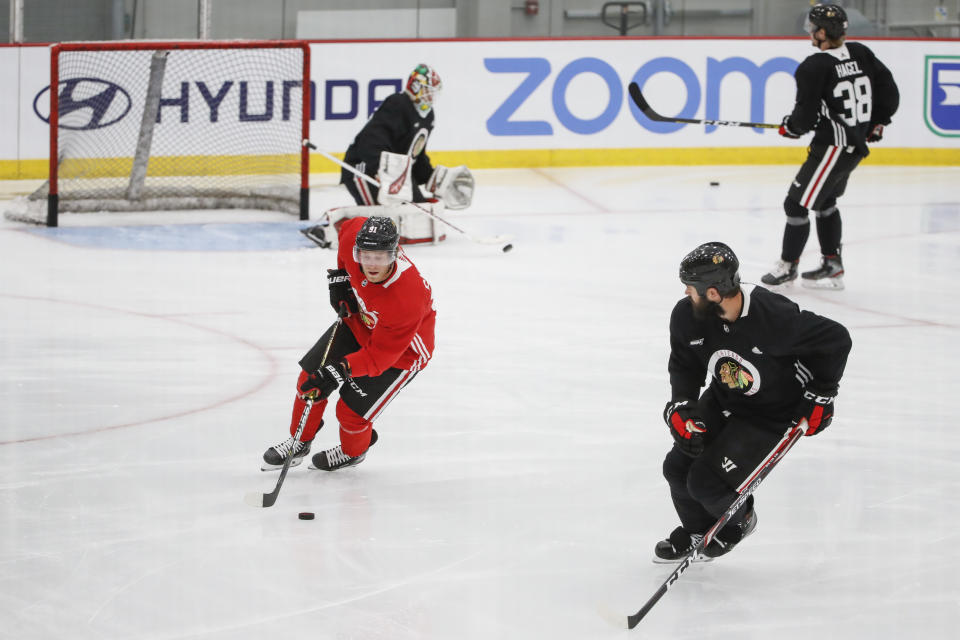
<point x="342" y="298"/>
<point x="785" y="129"/>
<point x="454" y="186"/>
<point x="325" y="380"/>
<point x="816" y="406"/>
<point x="876" y="133"/>
<point x="686" y="426"/>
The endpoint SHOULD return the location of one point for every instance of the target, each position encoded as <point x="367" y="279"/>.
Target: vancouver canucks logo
<point x="734" y="371"/>
<point x="941" y="96"/>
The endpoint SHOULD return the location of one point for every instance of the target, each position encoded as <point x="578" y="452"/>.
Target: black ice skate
<point x="729" y="537"/>
<point x="781" y="273"/>
<point x="828" y="276"/>
<point x="275" y="456"/>
<point x="677" y="546"/>
<point x="333" y="459"/>
<point x="317" y="235"/>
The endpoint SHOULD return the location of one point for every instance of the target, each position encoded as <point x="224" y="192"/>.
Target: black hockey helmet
<point x="829" y="17"/>
<point x="711" y="265"/>
<point x="377" y="233"/>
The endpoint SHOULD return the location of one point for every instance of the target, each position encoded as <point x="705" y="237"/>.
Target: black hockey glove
<point x="816" y="406"/>
<point x="785" y="129"/>
<point x="342" y="298"/>
<point x="876" y="133"/>
<point x="325" y="380"/>
<point x="686" y="426"/>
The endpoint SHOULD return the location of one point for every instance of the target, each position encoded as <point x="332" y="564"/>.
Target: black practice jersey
<point x="841" y="94"/>
<point x="758" y="364"/>
<point x="392" y="127"/>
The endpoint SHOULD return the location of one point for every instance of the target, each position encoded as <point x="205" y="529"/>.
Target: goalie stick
<point x="790" y="438"/>
<point x="648" y="111"/>
<point x="478" y="239"/>
<point x="255" y="499"/>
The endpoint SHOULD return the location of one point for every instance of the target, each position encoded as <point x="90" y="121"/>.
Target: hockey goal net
<point x="152" y="126"/>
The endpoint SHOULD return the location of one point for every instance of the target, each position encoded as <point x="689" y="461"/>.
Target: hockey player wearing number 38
<point x="846" y="96"/>
<point x="770" y="364"/>
<point x="385" y="339"/>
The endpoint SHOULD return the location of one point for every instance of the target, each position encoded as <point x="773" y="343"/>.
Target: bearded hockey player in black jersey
<point x="770" y="365"/>
<point x="846" y="96"/>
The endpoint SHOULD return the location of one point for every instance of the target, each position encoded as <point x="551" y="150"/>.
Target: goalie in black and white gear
<point x="392" y="147"/>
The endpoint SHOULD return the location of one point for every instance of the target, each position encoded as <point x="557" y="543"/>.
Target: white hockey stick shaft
<point x="790" y="438"/>
<point x="424" y="210"/>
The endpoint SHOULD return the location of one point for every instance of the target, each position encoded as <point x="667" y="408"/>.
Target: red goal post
<point x="116" y="142"/>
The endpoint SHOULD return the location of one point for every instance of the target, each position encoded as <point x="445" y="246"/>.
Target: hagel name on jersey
<point x="849" y="68"/>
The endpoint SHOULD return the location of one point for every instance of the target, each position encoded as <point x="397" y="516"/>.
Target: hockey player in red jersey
<point x="846" y="96"/>
<point x="385" y="340"/>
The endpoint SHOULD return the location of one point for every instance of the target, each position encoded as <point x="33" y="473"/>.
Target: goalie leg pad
<point x="414" y="225"/>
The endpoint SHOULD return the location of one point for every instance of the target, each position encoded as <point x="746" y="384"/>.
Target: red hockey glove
<point x="816" y="406"/>
<point x="342" y="298"/>
<point x="686" y="426"/>
<point x="325" y="380"/>
<point x="785" y="129"/>
<point x="876" y="133"/>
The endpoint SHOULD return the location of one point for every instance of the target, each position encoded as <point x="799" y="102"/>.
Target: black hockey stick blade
<point x="637" y="96"/>
<point x="790" y="438"/>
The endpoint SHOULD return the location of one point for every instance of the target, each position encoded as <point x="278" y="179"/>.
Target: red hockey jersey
<point x="396" y="319"/>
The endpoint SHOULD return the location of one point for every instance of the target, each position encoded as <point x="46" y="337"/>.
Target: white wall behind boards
<point x="566" y="95"/>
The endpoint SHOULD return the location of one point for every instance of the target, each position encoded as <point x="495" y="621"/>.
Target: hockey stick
<point x="790" y="438"/>
<point x="255" y="499"/>
<point x="478" y="239"/>
<point x="648" y="111"/>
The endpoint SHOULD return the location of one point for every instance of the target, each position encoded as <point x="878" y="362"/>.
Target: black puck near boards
<point x="714" y="184"/>
<point x="305" y="515"/>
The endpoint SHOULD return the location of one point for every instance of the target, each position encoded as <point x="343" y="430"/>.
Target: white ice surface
<point x="516" y="491"/>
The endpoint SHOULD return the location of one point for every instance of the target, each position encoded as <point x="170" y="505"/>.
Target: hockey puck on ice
<point x="714" y="184"/>
<point x="507" y="247"/>
<point x="305" y="515"/>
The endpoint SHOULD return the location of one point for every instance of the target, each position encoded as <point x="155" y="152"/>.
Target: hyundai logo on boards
<point x="87" y="103"/>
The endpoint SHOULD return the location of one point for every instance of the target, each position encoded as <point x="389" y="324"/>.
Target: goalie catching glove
<point x="686" y="426"/>
<point x="454" y="186"/>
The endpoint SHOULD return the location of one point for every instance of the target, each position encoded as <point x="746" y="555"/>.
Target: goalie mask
<point x="711" y="265"/>
<point x="423" y="85"/>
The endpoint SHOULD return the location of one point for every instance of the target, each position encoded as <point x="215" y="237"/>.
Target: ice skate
<point x="318" y="235"/>
<point x="782" y="273"/>
<point x="333" y="459"/>
<point x="729" y="537"/>
<point x="275" y="456"/>
<point x="677" y="546"/>
<point x="828" y="276"/>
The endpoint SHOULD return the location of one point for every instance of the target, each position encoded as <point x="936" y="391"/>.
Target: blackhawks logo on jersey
<point x="369" y="318"/>
<point x="734" y="371"/>
<point x="733" y="375"/>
